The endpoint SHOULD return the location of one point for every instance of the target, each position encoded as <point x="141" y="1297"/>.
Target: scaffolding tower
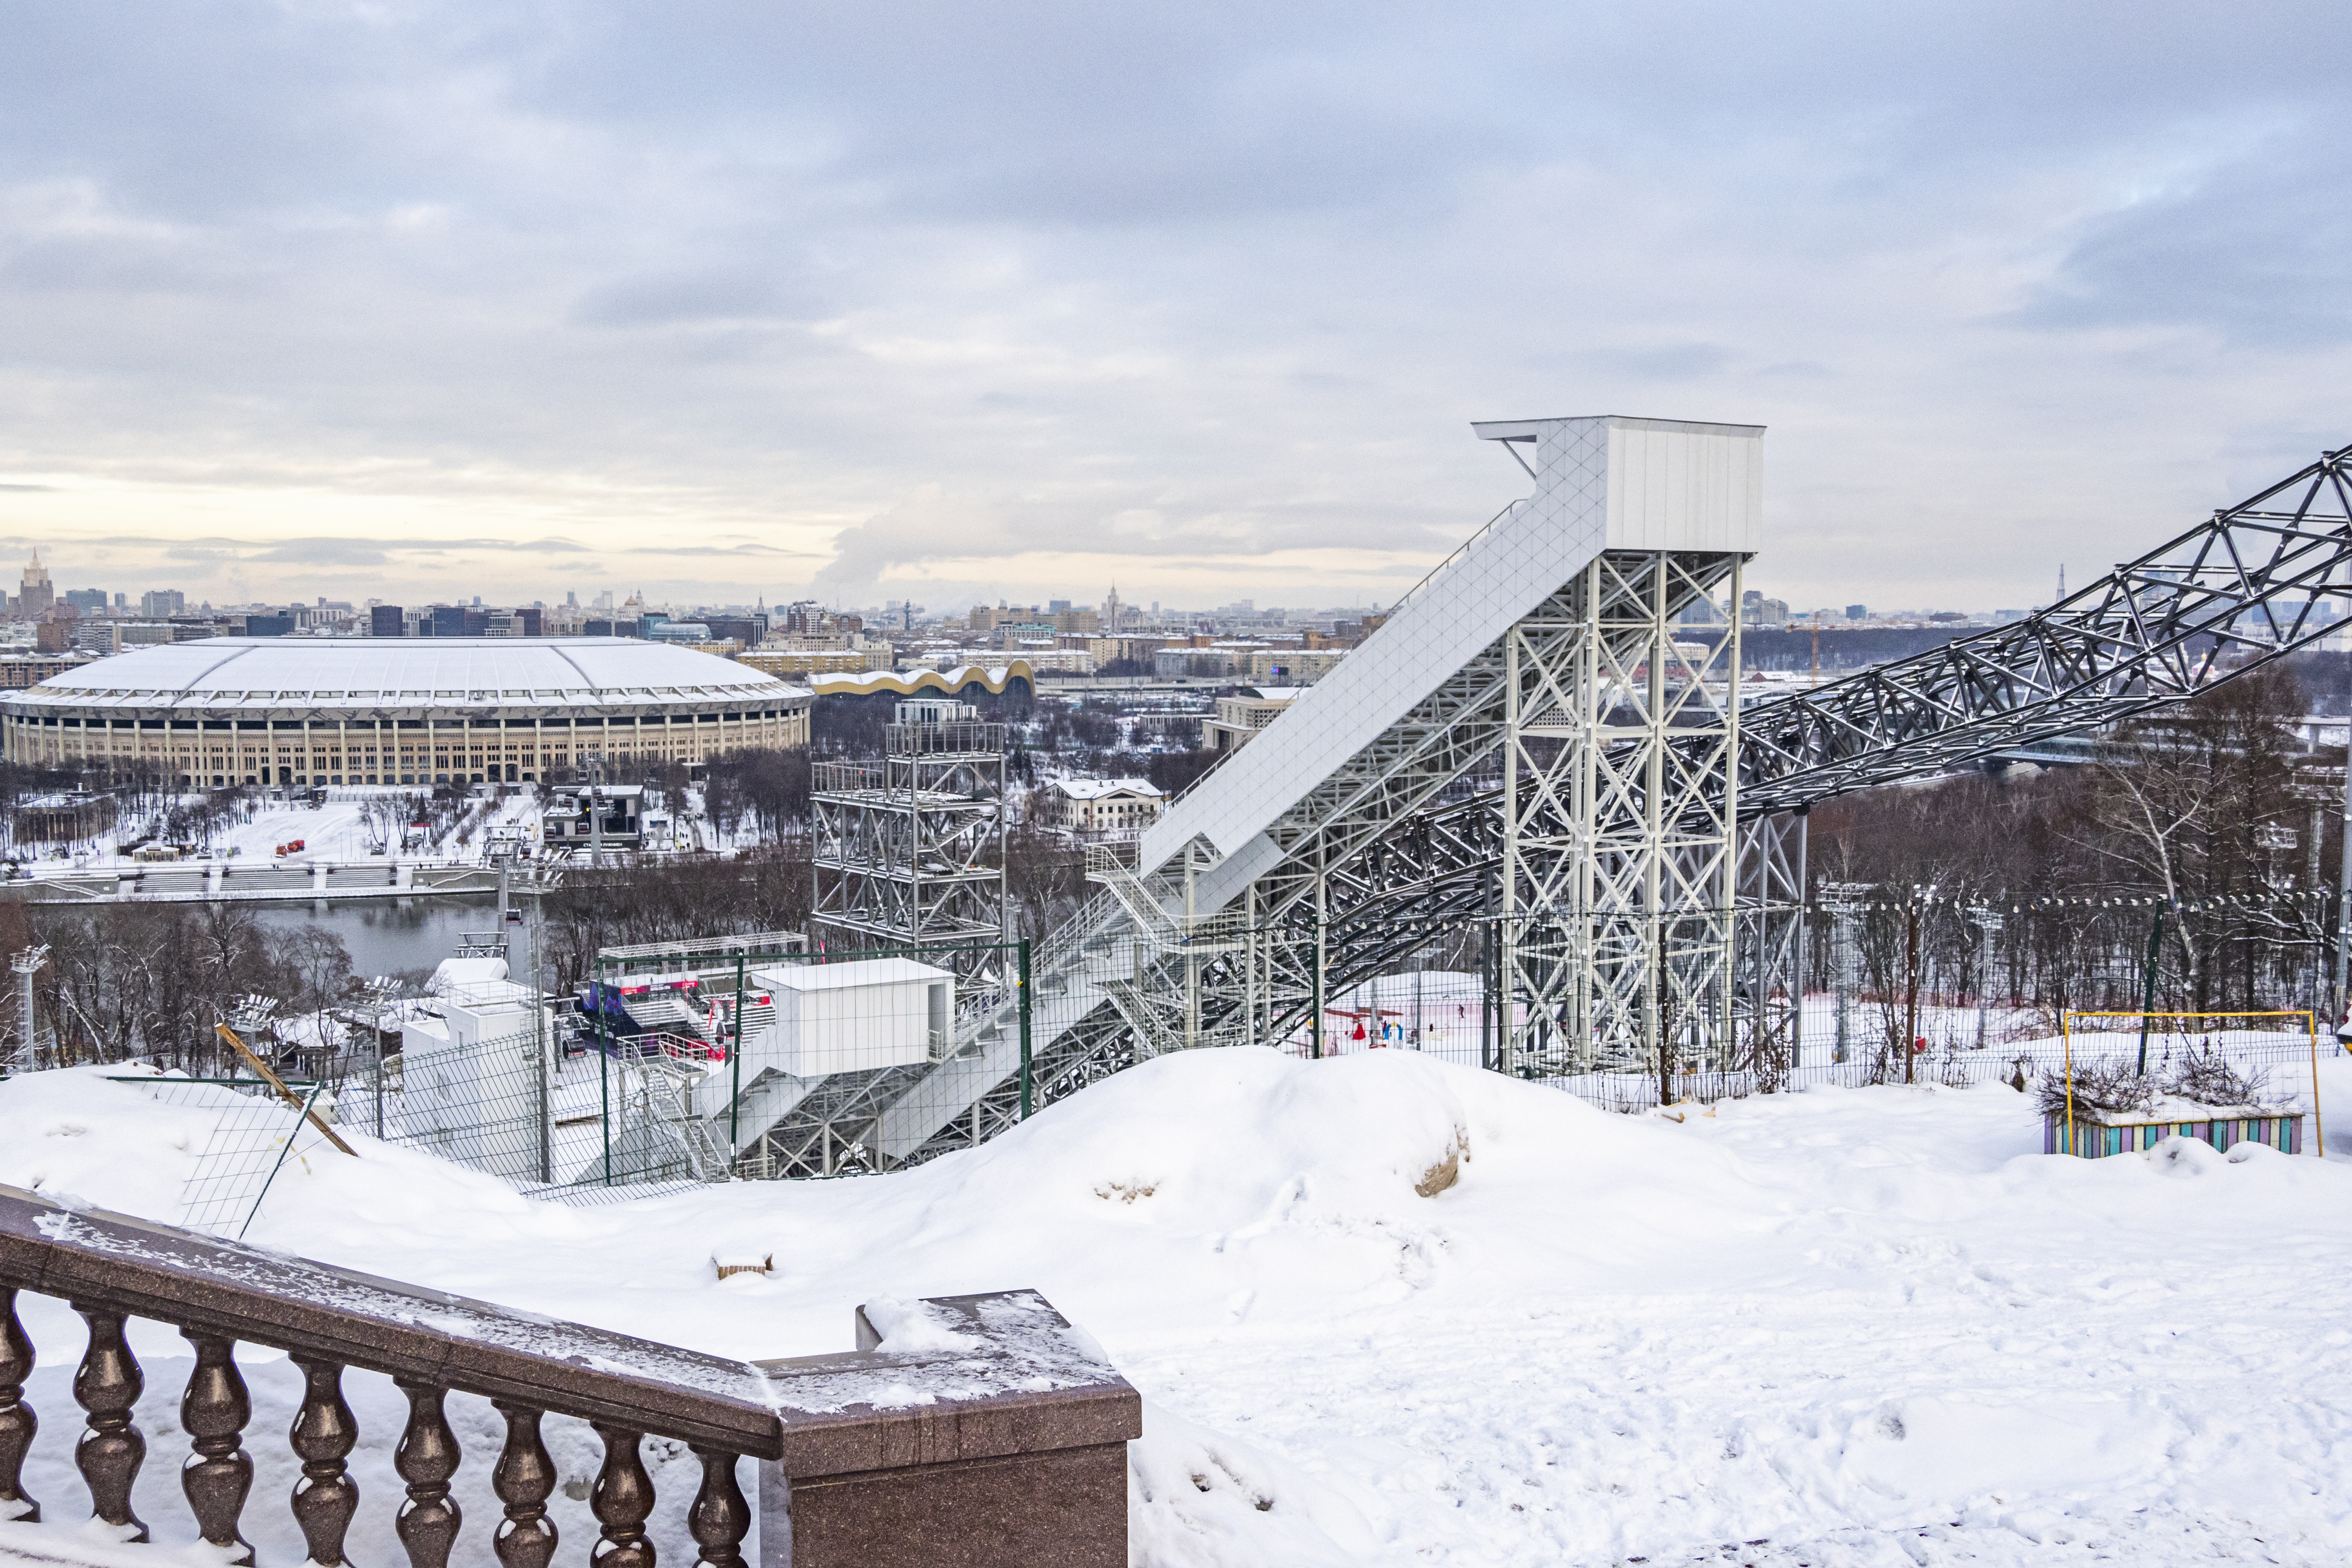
<point x="910" y="853"/>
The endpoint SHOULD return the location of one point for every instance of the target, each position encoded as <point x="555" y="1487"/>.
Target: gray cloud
<point x="740" y="552"/>
<point x="1205" y="294"/>
<point x="321" y="553"/>
<point x="673" y="299"/>
<point x="2242" y="249"/>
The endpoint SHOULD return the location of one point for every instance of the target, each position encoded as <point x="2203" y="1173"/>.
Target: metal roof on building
<point x="1104" y="789"/>
<point x="272" y="672"/>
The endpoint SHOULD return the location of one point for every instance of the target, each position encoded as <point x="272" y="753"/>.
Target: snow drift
<point x="1855" y="1326"/>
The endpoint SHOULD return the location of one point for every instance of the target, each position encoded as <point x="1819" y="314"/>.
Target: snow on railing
<point x="880" y="1445"/>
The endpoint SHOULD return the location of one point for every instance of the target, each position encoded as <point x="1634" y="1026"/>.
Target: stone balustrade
<point x="973" y="1430"/>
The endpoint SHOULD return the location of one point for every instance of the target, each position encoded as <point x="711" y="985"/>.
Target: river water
<point x="386" y="934"/>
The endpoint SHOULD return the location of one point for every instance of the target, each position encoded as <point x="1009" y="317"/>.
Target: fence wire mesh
<point x="568" y="1119"/>
<point x="251" y="1134"/>
<point x="844" y="1061"/>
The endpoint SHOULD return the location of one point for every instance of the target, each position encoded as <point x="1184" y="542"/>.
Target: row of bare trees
<point x="152" y="979"/>
<point x="674" y="899"/>
<point x="2211" y="819"/>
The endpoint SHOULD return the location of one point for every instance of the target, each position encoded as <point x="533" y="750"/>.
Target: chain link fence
<point x="662" y="1073"/>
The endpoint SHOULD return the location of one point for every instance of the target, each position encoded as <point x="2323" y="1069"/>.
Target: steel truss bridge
<point x="1522" y="752"/>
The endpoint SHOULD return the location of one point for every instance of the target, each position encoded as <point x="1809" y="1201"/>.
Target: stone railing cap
<point x="980" y="1376"/>
<point x="938" y="1381"/>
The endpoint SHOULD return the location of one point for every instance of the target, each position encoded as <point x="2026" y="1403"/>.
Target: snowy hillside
<point x="1860" y="1326"/>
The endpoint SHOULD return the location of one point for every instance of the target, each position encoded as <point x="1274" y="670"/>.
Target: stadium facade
<point x="368" y="710"/>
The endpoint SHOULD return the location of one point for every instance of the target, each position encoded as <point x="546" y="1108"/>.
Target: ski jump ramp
<point x="1540" y="618"/>
<point x="1524" y="743"/>
<point x="1601" y="483"/>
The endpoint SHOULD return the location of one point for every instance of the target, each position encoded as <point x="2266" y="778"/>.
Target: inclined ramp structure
<point x="1524" y="742"/>
<point x="1555" y="620"/>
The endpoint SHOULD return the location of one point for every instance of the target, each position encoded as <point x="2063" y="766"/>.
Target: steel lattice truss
<point x="1409" y="839"/>
<point x="1617" y="840"/>
<point x="2243" y="588"/>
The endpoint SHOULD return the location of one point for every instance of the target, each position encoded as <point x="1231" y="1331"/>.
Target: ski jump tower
<point x="1521" y="741"/>
<point x="1524" y="749"/>
<point x="1541" y="652"/>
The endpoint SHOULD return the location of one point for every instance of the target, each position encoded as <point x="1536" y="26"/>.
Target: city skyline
<point x="120" y="602"/>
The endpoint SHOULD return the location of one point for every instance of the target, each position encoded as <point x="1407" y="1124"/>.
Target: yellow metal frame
<point x="2310" y="1029"/>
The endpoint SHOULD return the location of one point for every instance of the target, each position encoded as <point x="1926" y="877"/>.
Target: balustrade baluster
<point x="17" y="1422"/>
<point x="428" y="1456"/>
<point x="523" y="1478"/>
<point x="719" y="1517"/>
<point x="220" y="1474"/>
<point x="326" y="1497"/>
<point x="106" y="1385"/>
<point x="622" y="1497"/>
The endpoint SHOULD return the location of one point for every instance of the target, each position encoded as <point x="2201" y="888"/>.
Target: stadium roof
<point x="387" y="671"/>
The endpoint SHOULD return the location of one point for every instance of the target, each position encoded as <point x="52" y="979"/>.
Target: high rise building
<point x="35" y="595"/>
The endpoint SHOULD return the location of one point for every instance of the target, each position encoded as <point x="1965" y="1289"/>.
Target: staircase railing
<point x="870" y="1457"/>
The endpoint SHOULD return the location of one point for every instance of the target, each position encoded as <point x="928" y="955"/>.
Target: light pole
<point x="1841" y="902"/>
<point x="25" y="964"/>
<point x="1987" y="924"/>
<point x="2336" y="1001"/>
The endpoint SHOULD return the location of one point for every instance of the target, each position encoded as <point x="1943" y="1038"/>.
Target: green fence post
<point x="1025" y="1080"/>
<point x="603" y="1037"/>
<point x="1486" y="988"/>
<point x="2148" y="989"/>
<point x="1315" y="986"/>
<point x="284" y="1148"/>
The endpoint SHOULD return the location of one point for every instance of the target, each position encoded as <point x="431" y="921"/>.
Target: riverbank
<point x="219" y="881"/>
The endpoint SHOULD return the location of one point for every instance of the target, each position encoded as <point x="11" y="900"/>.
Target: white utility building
<point x="858" y="1016"/>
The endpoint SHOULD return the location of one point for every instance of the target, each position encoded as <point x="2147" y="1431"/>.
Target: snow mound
<point x="1219" y="1140"/>
<point x="1851" y="1327"/>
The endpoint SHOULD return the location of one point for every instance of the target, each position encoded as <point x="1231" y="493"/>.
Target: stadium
<point x="286" y="711"/>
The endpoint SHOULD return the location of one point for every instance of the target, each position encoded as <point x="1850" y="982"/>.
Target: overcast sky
<point x="861" y="302"/>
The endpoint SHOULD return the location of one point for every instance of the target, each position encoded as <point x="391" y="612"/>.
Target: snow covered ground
<point x="1855" y="1326"/>
<point x="332" y="833"/>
